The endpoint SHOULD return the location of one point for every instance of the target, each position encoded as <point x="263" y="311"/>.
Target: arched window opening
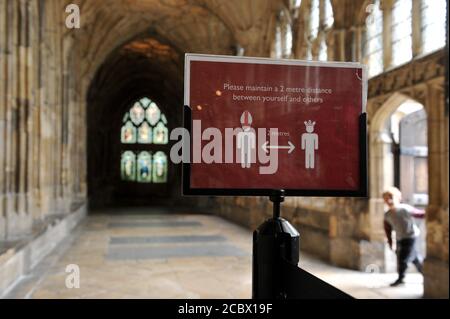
<point x="401" y="30"/>
<point x="399" y="157"/>
<point x="433" y="18"/>
<point x="314" y="19"/>
<point x="160" y="168"/>
<point x="328" y="14"/>
<point x="410" y="156"/>
<point x="145" y="127"/>
<point x="128" y="166"/>
<point x="373" y="44"/>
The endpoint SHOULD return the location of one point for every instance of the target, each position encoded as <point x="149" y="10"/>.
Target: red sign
<point x="274" y="124"/>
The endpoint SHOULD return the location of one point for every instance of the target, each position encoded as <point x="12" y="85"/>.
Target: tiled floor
<point x="157" y="255"/>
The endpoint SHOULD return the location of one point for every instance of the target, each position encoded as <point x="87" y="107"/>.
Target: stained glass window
<point x="128" y="166"/>
<point x="160" y="134"/>
<point x="153" y="114"/>
<point x="159" y="168"/>
<point x="144" y="167"/>
<point x="128" y="133"/>
<point x="137" y="114"/>
<point x="434" y="13"/>
<point x="145" y="134"/>
<point x="144" y="124"/>
<point x="163" y="119"/>
<point x="145" y="101"/>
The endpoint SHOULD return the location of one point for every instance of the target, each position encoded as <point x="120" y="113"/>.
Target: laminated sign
<point x="257" y="125"/>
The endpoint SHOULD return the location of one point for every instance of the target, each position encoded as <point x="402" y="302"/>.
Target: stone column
<point x="436" y="280"/>
<point x="339" y="49"/>
<point x="3" y="66"/>
<point x="57" y="62"/>
<point x="386" y="7"/>
<point x="416" y="28"/>
<point x="12" y="218"/>
<point x="48" y="119"/>
<point x="347" y="30"/>
<point x="23" y="113"/>
<point x="358" y="32"/>
<point x="33" y="167"/>
<point x="381" y="162"/>
<point x="299" y="45"/>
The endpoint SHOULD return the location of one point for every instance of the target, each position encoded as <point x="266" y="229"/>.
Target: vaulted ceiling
<point x="200" y="26"/>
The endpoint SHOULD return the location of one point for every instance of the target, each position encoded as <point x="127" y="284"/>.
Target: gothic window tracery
<point x="145" y="125"/>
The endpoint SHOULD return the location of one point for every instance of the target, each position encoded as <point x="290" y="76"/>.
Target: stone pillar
<point x="358" y="32"/>
<point x="48" y="119"/>
<point x="381" y="167"/>
<point x="12" y="217"/>
<point x="436" y="282"/>
<point x="416" y="28"/>
<point x="346" y="32"/>
<point x="3" y="66"/>
<point x="56" y="105"/>
<point x="299" y="41"/>
<point x="386" y="7"/>
<point x="23" y="103"/>
<point x="33" y="167"/>
<point x="339" y="45"/>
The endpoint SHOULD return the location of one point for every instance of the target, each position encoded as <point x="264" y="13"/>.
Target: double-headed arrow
<point x="291" y="147"/>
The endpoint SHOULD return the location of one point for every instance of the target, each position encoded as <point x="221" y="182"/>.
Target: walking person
<point x="400" y="219"/>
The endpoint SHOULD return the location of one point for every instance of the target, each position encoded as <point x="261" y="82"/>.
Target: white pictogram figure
<point x="310" y="143"/>
<point x="246" y="140"/>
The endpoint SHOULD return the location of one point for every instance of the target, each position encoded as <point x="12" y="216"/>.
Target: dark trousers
<point x="406" y="253"/>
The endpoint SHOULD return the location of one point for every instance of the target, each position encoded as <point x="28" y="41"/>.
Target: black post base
<point x="276" y="246"/>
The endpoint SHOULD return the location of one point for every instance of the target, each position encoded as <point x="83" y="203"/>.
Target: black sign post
<point x="276" y="245"/>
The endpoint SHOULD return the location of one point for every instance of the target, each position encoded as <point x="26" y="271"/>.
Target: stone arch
<point x="381" y="163"/>
<point x="362" y="13"/>
<point x="378" y="137"/>
<point x="145" y="55"/>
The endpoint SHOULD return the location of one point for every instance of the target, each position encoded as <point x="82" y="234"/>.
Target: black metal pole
<point x="277" y="198"/>
<point x="274" y="241"/>
<point x="276" y="250"/>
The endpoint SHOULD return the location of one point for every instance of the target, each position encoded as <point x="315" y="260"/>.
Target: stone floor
<point x="151" y="254"/>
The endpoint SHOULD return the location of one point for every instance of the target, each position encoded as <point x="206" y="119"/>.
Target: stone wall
<point x="329" y="227"/>
<point x="42" y="170"/>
